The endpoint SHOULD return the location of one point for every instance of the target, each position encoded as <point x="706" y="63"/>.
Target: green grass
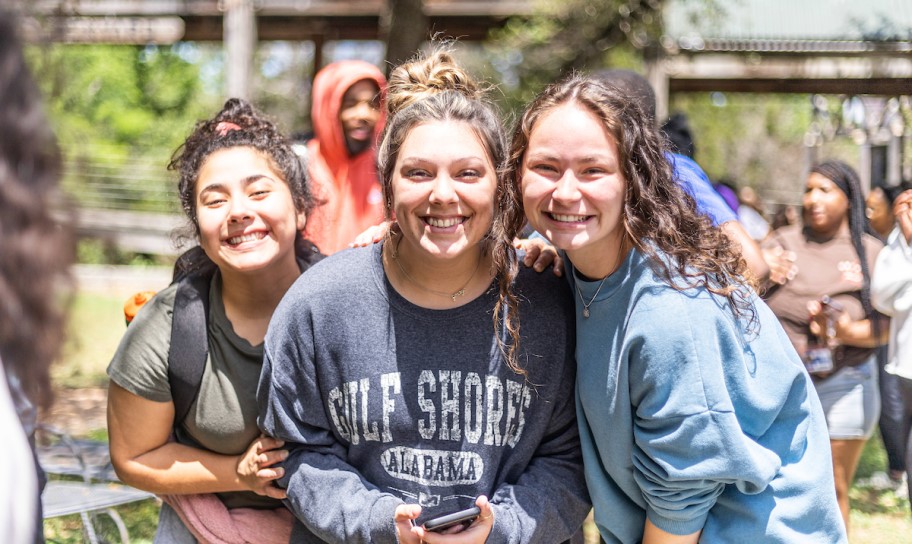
<point x="140" y="518"/>
<point x="95" y="327"/>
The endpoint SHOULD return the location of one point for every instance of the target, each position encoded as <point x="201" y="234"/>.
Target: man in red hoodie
<point x="348" y="115"/>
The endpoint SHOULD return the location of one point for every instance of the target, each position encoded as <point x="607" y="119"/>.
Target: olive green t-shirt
<point x="222" y="419"/>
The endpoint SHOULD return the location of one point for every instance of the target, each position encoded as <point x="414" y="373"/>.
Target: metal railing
<point x="108" y="181"/>
<point x="128" y="200"/>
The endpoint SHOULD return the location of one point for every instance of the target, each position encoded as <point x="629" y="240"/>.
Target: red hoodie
<point x="347" y="185"/>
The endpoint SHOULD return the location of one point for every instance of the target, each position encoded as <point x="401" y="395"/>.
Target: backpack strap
<point x="193" y="274"/>
<point x="189" y="342"/>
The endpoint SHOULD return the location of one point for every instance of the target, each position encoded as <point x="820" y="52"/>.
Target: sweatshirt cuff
<point x="503" y="531"/>
<point x="382" y="520"/>
<point x="678" y="527"/>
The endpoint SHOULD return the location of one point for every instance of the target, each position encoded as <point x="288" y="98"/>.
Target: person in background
<point x="824" y="304"/>
<point x="728" y="192"/>
<point x="785" y="215"/>
<point x="246" y="196"/>
<point x="689" y="174"/>
<point x="750" y="213"/>
<point x="893" y="431"/>
<point x="697" y="420"/>
<point x="879" y="208"/>
<point x="425" y="374"/>
<point x="680" y="138"/>
<point x="348" y="117"/>
<point x="36" y="250"/>
<point x="891" y="293"/>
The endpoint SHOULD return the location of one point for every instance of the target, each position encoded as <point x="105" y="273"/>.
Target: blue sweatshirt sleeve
<point x="328" y="495"/>
<point x="695" y="181"/>
<point x="689" y="443"/>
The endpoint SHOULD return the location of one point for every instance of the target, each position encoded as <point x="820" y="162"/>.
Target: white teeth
<point x="568" y="218"/>
<point x="235" y="240"/>
<point x="443" y="223"/>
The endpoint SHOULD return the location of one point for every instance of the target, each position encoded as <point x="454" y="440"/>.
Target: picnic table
<point x="97" y="493"/>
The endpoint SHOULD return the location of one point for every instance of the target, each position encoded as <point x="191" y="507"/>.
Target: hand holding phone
<point x="463" y="517"/>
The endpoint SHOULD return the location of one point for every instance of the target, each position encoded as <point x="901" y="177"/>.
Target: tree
<point x="565" y="35"/>
<point x="403" y="26"/>
<point x="119" y="111"/>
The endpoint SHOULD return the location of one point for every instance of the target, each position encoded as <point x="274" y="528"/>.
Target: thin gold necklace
<point x="458" y="293"/>
<point x="586" y="305"/>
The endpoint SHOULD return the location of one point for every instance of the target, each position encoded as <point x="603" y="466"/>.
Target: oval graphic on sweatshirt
<point x="433" y="467"/>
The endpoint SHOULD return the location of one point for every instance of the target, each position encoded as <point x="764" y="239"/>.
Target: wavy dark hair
<point x="237" y="125"/>
<point x="659" y="216"/>
<point x="36" y="249"/>
<point x="435" y="88"/>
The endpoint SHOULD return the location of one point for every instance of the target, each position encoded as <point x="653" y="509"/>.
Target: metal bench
<point x="97" y="494"/>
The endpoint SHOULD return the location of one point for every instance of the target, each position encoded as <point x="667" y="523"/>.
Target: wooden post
<point x="657" y="75"/>
<point x="864" y="165"/>
<point x="319" y="41"/>
<point x="240" y="38"/>
<point x="403" y="25"/>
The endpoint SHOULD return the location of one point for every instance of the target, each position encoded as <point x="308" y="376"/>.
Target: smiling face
<point x="443" y="187"/>
<point x="359" y="114"/>
<point x="826" y="207"/>
<point x="245" y="213"/>
<point x="573" y="188"/>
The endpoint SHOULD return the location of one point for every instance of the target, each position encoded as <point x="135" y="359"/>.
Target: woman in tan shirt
<point x="824" y="304"/>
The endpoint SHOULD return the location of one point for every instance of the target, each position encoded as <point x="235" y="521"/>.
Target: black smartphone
<point x="463" y="517"/>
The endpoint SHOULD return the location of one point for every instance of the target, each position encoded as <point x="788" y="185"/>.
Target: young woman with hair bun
<point x="398" y="375"/>
<point x="246" y="197"/>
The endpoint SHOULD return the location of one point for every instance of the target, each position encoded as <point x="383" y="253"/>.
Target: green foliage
<point x="565" y="35"/>
<point x="96" y="251"/>
<point x="750" y="139"/>
<point x="116" y="94"/>
<point x="281" y="88"/>
<point x="118" y="112"/>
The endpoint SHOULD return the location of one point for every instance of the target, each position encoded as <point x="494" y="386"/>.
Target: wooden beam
<point x="197" y="28"/>
<point x="883" y="86"/>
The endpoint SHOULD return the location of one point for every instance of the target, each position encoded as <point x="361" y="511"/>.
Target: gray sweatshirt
<point x="383" y="402"/>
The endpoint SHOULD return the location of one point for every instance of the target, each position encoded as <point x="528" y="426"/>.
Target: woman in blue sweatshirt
<point x="697" y="419"/>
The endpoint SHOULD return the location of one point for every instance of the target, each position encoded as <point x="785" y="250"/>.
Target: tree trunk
<point x="404" y="28"/>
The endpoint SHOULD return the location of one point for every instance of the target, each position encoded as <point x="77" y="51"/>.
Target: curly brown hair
<point x="659" y="215"/>
<point x="238" y="125"/>
<point x="435" y="88"/>
<point x="36" y="247"/>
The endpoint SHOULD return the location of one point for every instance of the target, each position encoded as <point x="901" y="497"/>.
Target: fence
<point x="127" y="199"/>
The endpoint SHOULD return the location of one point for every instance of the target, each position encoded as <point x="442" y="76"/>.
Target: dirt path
<point x="78" y="411"/>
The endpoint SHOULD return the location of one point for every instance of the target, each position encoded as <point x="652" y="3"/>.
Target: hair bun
<point x="423" y="77"/>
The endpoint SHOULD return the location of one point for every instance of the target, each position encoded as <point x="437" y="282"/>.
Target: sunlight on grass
<point x="141" y="520"/>
<point x="95" y="327"/>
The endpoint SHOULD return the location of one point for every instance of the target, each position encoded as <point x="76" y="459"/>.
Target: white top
<point x="891" y="293"/>
<point x="18" y="478"/>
